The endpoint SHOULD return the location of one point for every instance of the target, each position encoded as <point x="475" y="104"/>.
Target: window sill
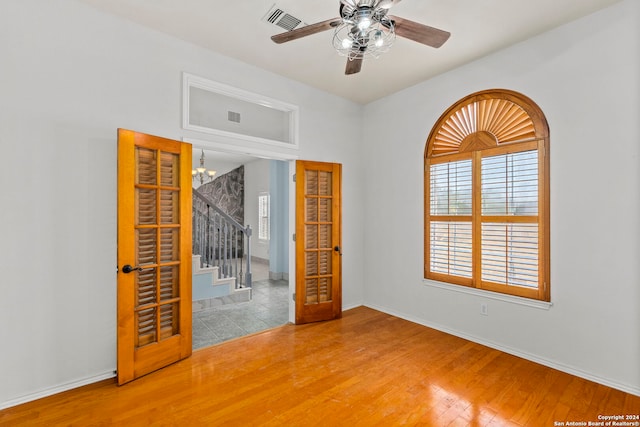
<point x="542" y="305"/>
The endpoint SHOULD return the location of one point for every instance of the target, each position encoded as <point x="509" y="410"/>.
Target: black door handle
<point x="337" y="249"/>
<point x="128" y="269"/>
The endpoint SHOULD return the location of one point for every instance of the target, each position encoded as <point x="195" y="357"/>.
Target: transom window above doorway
<point x="234" y="114"/>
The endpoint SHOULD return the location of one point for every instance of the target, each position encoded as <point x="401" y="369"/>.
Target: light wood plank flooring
<point x="366" y="369"/>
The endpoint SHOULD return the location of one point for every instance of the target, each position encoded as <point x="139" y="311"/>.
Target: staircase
<point x="218" y="263"/>
<point x="209" y="289"/>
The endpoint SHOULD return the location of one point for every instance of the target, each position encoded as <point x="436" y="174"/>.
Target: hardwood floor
<point x="366" y="369"/>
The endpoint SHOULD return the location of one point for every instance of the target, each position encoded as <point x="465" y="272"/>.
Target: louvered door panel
<point x="154" y="233"/>
<point x="319" y="237"/>
<point x="318" y="257"/>
<point x="158" y="243"/>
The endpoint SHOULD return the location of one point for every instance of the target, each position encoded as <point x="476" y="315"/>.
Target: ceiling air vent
<point x="282" y="19"/>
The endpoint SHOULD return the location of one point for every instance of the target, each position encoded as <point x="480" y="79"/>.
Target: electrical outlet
<point x="484" y="309"/>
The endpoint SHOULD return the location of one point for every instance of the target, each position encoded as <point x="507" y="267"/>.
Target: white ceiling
<point x="235" y="28"/>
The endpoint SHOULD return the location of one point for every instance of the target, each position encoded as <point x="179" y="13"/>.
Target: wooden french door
<point x="318" y="241"/>
<point x="154" y="253"/>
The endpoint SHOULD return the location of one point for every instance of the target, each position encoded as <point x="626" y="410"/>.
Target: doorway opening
<point x="255" y="191"/>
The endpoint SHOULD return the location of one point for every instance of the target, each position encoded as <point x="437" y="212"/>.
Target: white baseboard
<point x="350" y="306"/>
<point x="627" y="388"/>
<point x="55" y="390"/>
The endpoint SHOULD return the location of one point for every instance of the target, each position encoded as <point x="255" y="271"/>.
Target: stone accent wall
<point x="227" y="192"/>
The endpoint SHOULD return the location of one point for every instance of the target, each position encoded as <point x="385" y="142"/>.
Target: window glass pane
<point x="263" y="217"/>
<point x="451" y="188"/>
<point x="510" y="254"/>
<point x="510" y="184"/>
<point x="450" y="248"/>
<point x="215" y="110"/>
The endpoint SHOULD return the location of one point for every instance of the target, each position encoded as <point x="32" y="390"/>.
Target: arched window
<point x="486" y="190"/>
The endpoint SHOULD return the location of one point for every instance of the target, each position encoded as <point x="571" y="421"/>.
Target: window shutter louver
<point x="510" y="184"/>
<point x="451" y="248"/>
<point x="510" y="188"/>
<point x="451" y="195"/>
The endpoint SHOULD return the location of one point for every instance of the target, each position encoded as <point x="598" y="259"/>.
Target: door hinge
<point x="294" y="237"/>
<point x="293" y="296"/>
<point x="294" y="177"/>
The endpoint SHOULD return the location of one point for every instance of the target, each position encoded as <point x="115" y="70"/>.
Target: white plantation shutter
<point x="510" y="254"/>
<point x="510" y="184"/>
<point x="451" y="248"/>
<point x="451" y="188"/>
<point x="510" y="189"/>
<point x="450" y="240"/>
<point x="487" y="196"/>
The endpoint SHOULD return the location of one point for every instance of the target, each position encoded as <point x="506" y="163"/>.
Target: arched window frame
<point x="493" y="124"/>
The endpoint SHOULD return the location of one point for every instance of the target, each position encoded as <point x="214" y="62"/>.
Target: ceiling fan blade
<point x="420" y="33"/>
<point x="307" y="31"/>
<point x="353" y="66"/>
<point x="352" y="3"/>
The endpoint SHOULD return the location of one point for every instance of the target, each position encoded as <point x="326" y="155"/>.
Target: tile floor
<point x="268" y="308"/>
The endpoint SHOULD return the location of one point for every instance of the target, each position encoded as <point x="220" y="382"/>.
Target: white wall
<point x="71" y="76"/>
<point x="256" y="181"/>
<point x="584" y="76"/>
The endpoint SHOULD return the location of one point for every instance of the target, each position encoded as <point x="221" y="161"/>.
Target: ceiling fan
<point x="364" y="29"/>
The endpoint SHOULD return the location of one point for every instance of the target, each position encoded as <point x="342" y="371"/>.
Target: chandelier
<point x="364" y="32"/>
<point x="201" y="173"/>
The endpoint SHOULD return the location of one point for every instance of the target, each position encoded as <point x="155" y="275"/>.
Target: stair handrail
<point x="246" y="230"/>
<point x="225" y="215"/>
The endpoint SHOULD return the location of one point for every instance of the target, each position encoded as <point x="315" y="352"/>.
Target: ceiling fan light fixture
<point x="364" y="18"/>
<point x="364" y="29"/>
<point x="378" y="39"/>
<point x="355" y="43"/>
<point x="364" y="23"/>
